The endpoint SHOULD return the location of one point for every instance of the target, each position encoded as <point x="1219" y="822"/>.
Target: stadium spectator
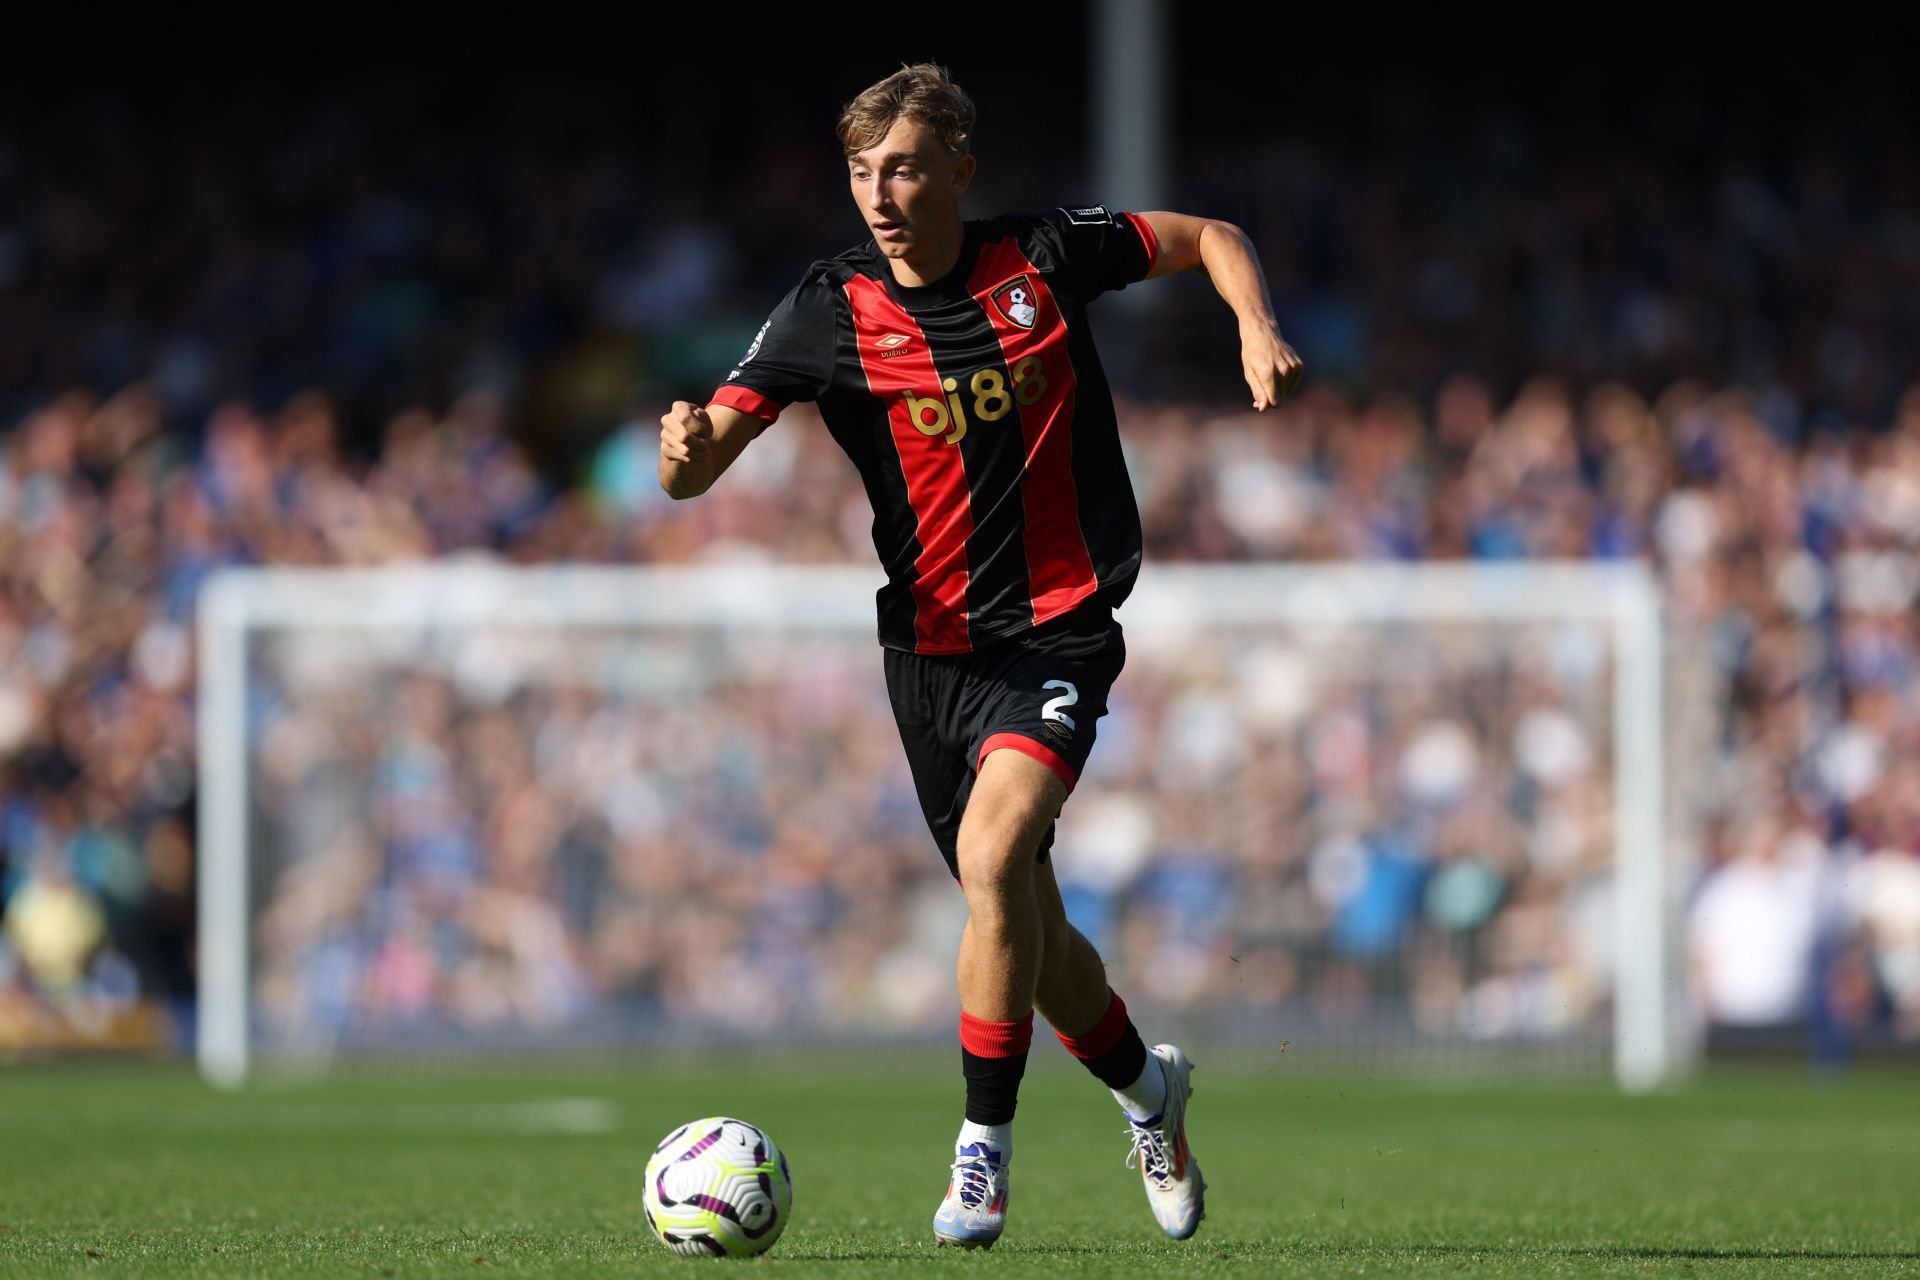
<point x="532" y="858"/>
<point x="1527" y="345"/>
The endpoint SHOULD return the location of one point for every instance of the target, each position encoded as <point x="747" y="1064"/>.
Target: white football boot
<point x="1175" y="1190"/>
<point x="975" y="1211"/>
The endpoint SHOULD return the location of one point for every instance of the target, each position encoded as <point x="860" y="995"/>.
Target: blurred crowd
<point x="506" y="832"/>
<point x="419" y="237"/>
<point x="737" y="842"/>
<point x="412" y="319"/>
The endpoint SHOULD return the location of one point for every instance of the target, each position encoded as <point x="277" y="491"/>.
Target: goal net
<point x="1407" y="814"/>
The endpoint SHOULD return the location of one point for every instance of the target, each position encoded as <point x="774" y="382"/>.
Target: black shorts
<point x="1040" y="693"/>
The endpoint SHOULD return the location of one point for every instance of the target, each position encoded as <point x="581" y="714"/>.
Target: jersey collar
<point x="950" y="287"/>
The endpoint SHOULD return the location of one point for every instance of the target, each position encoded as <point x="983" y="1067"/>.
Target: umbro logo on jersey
<point x="894" y="344"/>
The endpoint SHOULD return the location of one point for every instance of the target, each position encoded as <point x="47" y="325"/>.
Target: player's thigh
<point x="1014" y="801"/>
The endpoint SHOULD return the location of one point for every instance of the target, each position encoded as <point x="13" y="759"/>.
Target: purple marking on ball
<point x="699" y="1146"/>
<point x="671" y="1138"/>
<point x="713" y="1204"/>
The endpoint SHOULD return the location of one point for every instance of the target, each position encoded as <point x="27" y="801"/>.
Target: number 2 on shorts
<point x="1056" y="708"/>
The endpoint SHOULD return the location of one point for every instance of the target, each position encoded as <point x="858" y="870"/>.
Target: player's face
<point x="908" y="188"/>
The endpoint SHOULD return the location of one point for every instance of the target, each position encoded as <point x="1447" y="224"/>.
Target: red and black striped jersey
<point x="978" y="415"/>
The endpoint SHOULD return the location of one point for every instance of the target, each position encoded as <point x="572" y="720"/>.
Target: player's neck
<point x="925" y="267"/>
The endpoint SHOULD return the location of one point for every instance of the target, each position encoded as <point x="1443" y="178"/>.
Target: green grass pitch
<point x="141" y="1171"/>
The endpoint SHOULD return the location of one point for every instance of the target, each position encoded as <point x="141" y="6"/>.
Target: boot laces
<point x="1151" y="1151"/>
<point x="979" y="1179"/>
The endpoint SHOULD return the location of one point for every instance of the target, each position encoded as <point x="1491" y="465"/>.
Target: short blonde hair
<point x="924" y="91"/>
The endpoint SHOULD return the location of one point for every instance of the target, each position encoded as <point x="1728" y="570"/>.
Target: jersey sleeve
<point x="1096" y="250"/>
<point x="791" y="357"/>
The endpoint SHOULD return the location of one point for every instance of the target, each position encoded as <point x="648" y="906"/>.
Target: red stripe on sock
<point x="1105" y="1034"/>
<point x="985" y="1039"/>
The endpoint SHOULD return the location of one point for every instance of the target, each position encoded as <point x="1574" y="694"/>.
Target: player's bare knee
<point x="997" y="870"/>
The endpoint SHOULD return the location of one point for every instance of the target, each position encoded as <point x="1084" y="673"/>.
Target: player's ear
<point x="963" y="173"/>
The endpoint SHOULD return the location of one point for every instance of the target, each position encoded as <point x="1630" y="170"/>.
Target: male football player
<point x="953" y="362"/>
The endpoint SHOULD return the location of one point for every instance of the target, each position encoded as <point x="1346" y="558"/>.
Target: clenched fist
<point x="1271" y="366"/>
<point x="686" y="434"/>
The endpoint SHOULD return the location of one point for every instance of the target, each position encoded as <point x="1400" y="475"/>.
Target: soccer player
<point x="952" y="360"/>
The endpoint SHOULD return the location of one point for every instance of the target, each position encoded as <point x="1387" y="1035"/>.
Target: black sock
<point x="993" y="1057"/>
<point x="1112" y="1048"/>
<point x="993" y="1086"/>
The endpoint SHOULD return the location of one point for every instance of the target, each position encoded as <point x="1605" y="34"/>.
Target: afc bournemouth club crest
<point x="1016" y="301"/>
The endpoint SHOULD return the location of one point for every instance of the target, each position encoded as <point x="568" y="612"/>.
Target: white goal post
<point x="1651" y="1043"/>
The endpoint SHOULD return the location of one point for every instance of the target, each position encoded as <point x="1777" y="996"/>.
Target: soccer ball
<point x="718" y="1187"/>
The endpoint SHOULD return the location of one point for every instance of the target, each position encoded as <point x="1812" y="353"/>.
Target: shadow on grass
<point x="1781" y="1255"/>
<point x="858" y="1251"/>
<point x="861" y="1251"/>
<point x="1607" y="1252"/>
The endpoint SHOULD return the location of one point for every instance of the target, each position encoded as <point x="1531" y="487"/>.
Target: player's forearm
<point x="686" y="479"/>
<point x="1227" y="256"/>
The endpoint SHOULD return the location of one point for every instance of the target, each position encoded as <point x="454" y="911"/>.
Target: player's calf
<point x="1013" y="801"/>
